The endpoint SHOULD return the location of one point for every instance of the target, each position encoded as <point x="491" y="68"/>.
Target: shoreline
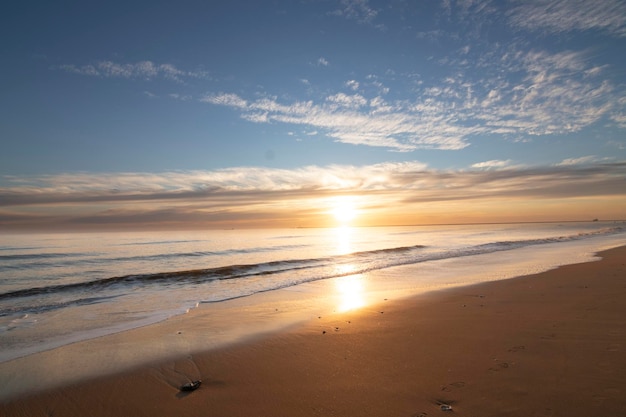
<point x="212" y="326"/>
<point x="31" y="334"/>
<point x="544" y="344"/>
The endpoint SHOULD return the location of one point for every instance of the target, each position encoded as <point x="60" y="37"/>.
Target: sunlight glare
<point x="343" y="210"/>
<point x="350" y="289"/>
<point x="343" y="235"/>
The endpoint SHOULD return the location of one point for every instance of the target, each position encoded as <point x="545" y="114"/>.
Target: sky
<point x="207" y="114"/>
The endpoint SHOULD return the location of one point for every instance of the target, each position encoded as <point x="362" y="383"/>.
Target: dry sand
<point x="550" y="344"/>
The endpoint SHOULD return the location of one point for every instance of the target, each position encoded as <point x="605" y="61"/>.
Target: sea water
<point x="61" y="288"/>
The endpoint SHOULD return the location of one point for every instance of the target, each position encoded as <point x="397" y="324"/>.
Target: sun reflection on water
<point x="351" y="292"/>
<point x="343" y="235"/>
<point x="349" y="285"/>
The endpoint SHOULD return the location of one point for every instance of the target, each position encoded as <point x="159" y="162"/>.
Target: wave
<point x="12" y="248"/>
<point x="162" y="242"/>
<point x="283" y="273"/>
<point x="37" y="256"/>
<point x="200" y="275"/>
<point x="56" y="260"/>
<point x="409" y="255"/>
<point x="42" y="308"/>
<point x="242" y="251"/>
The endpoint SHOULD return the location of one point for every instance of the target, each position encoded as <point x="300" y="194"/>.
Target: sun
<point x="343" y="210"/>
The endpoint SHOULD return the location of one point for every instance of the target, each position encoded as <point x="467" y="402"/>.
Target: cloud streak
<point x="491" y="164"/>
<point x="547" y="17"/>
<point x="561" y="16"/>
<point x="256" y="196"/>
<point x="143" y="70"/>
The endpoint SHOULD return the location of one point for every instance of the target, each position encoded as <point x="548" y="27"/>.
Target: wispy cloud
<point x="553" y="93"/>
<point x="507" y="91"/>
<point x="579" y="161"/>
<point x="358" y="10"/>
<point x="542" y="94"/>
<point x="468" y="15"/>
<point x="619" y="115"/>
<point x="492" y="164"/>
<point x="323" y="62"/>
<point x="254" y="194"/>
<point x="541" y="16"/>
<point x="560" y="16"/>
<point x="354" y="119"/>
<point x="144" y="70"/>
<point x="236" y="179"/>
<point x="181" y="97"/>
<point x="352" y="84"/>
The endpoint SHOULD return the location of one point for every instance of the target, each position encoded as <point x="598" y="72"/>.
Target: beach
<point x="548" y="344"/>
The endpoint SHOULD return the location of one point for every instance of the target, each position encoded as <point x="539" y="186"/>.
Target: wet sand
<point x="550" y="344"/>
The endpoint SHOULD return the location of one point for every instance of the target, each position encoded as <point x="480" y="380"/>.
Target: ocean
<point x="60" y="288"/>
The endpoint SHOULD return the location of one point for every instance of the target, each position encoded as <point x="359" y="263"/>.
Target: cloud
<point x="619" y="115"/>
<point x="492" y="164"/>
<point x="354" y="101"/>
<point x="184" y="184"/>
<point x="352" y="84"/>
<point x="262" y="196"/>
<point x="554" y="93"/>
<point x="180" y="97"/>
<point x="506" y="92"/>
<point x="225" y="99"/>
<point x="621" y="145"/>
<point x="547" y="17"/>
<point x="469" y="17"/>
<point x="561" y="16"/>
<point x="358" y="10"/>
<point x="579" y="161"/>
<point x="354" y="119"/>
<point x="144" y="70"/>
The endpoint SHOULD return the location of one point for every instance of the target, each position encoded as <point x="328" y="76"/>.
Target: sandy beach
<point x="550" y="344"/>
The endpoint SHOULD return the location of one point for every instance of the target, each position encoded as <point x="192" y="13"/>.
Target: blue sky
<point x="271" y="112"/>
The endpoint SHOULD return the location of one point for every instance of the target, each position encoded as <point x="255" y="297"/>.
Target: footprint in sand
<point x="452" y="386"/>
<point x="501" y="366"/>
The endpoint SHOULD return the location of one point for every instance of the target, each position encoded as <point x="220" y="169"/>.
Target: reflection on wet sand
<point x="350" y="290"/>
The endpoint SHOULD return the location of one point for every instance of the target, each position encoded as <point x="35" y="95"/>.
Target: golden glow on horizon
<point x="335" y="211"/>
